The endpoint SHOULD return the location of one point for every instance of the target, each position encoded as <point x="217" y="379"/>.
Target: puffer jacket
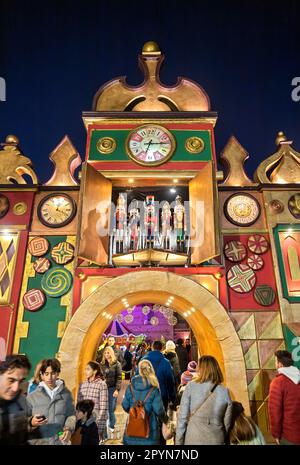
<point x="113" y="374"/>
<point x="14" y="421"/>
<point x="164" y="374"/>
<point x="60" y="413"/>
<point x="153" y="407"/>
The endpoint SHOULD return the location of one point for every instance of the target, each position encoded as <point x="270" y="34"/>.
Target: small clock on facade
<point x="4" y="205"/>
<point x="150" y="145"/>
<point x="56" y="210"/>
<point x="242" y="209"/>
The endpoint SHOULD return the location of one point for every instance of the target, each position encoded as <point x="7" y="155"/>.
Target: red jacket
<point x="284" y="405"/>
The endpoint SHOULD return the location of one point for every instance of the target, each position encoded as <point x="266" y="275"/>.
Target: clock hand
<point x="149" y="143"/>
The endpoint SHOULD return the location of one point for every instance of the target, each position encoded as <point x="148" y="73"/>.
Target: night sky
<point x="54" y="55"/>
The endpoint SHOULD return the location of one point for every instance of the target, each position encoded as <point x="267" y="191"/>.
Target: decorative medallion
<point x="57" y="282"/>
<point x="128" y="319"/>
<point x="155" y="308"/>
<point x="41" y="265"/>
<point x="106" y="145"/>
<point x="242" y="209"/>
<point x="33" y="300"/>
<point x="172" y="321"/>
<point x="194" y="145"/>
<point x="255" y="262"/>
<point x="154" y="321"/>
<point x="146" y="309"/>
<point x="119" y="318"/>
<point x="241" y="278"/>
<point x="235" y="251"/>
<point x="258" y="244"/>
<point x="294" y="206"/>
<point x="63" y="253"/>
<point x="20" y="208"/>
<point x="150" y="145"/>
<point x="4" y="205"/>
<point x="56" y="210"/>
<point x="276" y="206"/>
<point x="264" y="295"/>
<point x="38" y="246"/>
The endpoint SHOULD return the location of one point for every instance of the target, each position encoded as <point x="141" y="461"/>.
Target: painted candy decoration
<point x="258" y="244"/>
<point x="63" y="253"/>
<point x="235" y="251"/>
<point x="241" y="278"/>
<point x="41" y="265"/>
<point x="38" y="246"/>
<point x="264" y="295"/>
<point x="255" y="262"/>
<point x="33" y="300"/>
<point x="57" y="282"/>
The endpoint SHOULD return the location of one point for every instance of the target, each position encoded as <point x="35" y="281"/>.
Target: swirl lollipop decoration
<point x="57" y="282"/>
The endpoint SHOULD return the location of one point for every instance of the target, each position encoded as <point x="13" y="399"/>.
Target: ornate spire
<point x="234" y="157"/>
<point x="65" y="159"/>
<point x="151" y="95"/>
<point x="14" y="164"/>
<point x="283" y="167"/>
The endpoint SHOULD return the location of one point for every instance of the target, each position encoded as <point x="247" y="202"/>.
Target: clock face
<point x="242" y="209"/>
<point x="150" y="144"/>
<point x="56" y="210"/>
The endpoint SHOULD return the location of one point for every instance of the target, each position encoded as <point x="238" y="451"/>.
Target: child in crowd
<point x="244" y="431"/>
<point x="86" y="431"/>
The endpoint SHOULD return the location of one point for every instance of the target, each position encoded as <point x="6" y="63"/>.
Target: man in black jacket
<point x="118" y="353"/>
<point x="15" y="422"/>
<point x="182" y="355"/>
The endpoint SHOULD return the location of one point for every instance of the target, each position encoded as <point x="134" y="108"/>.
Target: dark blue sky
<point x="54" y="55"/>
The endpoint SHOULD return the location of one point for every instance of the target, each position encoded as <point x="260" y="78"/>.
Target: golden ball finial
<point x="11" y="139"/>
<point x="151" y="47"/>
<point x="280" y="138"/>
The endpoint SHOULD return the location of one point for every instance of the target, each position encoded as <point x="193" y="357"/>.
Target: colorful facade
<point x="224" y="253"/>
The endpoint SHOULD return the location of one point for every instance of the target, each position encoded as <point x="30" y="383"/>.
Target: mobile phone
<point x="41" y="417"/>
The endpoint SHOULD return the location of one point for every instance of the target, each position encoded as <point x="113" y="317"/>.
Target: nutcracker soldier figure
<point x="179" y="223"/>
<point x="150" y="221"/>
<point x="121" y="222"/>
<point x="134" y="226"/>
<point x="166" y="225"/>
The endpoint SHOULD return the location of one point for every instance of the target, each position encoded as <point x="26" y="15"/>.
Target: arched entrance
<point x="206" y="316"/>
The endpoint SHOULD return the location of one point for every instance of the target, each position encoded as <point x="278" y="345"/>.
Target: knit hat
<point x="186" y="377"/>
<point x="170" y="345"/>
<point x="192" y="366"/>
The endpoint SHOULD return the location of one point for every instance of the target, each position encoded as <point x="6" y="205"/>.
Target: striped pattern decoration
<point x="241" y="278"/>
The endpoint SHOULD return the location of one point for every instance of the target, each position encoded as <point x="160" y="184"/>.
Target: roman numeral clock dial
<point x="56" y="210"/>
<point x="150" y="145"/>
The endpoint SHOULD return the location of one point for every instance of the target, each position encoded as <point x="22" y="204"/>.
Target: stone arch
<point x="212" y="327"/>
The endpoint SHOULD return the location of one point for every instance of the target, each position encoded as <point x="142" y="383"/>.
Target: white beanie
<point x="170" y="345"/>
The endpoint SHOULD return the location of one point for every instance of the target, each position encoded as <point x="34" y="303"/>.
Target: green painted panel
<point x="292" y="344"/>
<point x="180" y="154"/>
<point x="42" y="340"/>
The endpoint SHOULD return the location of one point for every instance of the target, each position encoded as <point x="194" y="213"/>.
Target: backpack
<point x="138" y="420"/>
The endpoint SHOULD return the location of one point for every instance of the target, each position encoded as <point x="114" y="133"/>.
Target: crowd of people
<point x="174" y="398"/>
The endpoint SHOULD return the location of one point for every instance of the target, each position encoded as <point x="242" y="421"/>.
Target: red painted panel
<point x="263" y="276"/>
<point x="16" y="197"/>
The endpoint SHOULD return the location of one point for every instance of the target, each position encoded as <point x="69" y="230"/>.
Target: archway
<point x="206" y="316"/>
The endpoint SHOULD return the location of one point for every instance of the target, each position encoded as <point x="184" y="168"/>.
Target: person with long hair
<point x="243" y="430"/>
<point x="205" y="411"/>
<point x="95" y="389"/>
<point x="141" y="384"/>
<point x="112" y="371"/>
<point x="36" y="379"/>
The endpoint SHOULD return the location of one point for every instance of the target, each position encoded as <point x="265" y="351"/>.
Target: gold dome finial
<point x="280" y="138"/>
<point x="11" y="139"/>
<point x="151" y="48"/>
